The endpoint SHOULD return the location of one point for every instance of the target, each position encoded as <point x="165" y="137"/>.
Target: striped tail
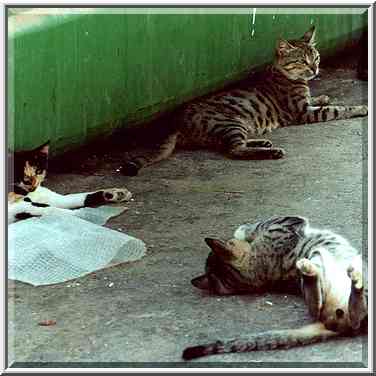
<point x="163" y="151"/>
<point x="269" y="340"/>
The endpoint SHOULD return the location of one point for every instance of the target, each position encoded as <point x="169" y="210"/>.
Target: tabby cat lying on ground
<point x="281" y="97"/>
<point x="27" y="198"/>
<point x="281" y="251"/>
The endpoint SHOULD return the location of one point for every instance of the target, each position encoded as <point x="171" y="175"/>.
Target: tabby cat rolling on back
<point x="27" y="198"/>
<point x="224" y="120"/>
<point x="279" y="252"/>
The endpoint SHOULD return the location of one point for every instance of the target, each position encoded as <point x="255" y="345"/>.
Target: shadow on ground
<point x="151" y="312"/>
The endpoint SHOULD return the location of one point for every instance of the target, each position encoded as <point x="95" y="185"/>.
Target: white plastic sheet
<point x="58" y="247"/>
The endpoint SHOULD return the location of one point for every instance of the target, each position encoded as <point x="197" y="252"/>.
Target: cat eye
<point x="27" y="181"/>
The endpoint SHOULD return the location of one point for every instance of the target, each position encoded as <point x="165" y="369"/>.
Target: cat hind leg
<point x="256" y="153"/>
<point x="237" y="146"/>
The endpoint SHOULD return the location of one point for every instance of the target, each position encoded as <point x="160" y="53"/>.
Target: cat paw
<point x="306" y="267"/>
<point x="106" y="196"/>
<point x="362" y="110"/>
<point x="277" y="153"/>
<point x="263" y="143"/>
<point x="356" y="277"/>
<point x="116" y="195"/>
<point x="322" y="100"/>
<point x="266" y="144"/>
<point x="129" y="169"/>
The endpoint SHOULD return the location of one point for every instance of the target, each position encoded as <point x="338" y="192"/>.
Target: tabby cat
<point x="27" y="198"/>
<point x="285" y="251"/>
<point x="280" y="97"/>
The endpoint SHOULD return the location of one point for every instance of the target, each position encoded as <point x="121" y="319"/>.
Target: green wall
<point x="72" y="74"/>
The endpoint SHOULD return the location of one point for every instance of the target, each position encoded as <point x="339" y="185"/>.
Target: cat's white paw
<point x="116" y="195"/>
<point x="306" y="267"/>
<point x="355" y="276"/>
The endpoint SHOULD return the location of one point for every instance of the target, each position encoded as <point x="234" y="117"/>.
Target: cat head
<point x="298" y="58"/>
<point x="221" y="277"/>
<point x="231" y="267"/>
<point x="28" y="168"/>
<point x="344" y="307"/>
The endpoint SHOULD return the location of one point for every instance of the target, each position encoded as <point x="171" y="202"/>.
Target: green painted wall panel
<point x="73" y="75"/>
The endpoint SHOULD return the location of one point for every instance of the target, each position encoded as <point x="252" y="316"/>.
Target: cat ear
<point x="309" y="36"/>
<point x="201" y="282"/>
<point x="284" y="47"/>
<point x="219" y="248"/>
<point x="43" y="149"/>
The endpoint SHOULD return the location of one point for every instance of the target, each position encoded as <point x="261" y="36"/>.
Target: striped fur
<point x="286" y="251"/>
<point x="270" y="340"/>
<point x="279" y="97"/>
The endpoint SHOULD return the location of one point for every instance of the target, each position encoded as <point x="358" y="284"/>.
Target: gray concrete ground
<point x="152" y="312"/>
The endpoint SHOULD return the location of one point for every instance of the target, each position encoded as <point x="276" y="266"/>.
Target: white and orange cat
<point x="27" y="198"/>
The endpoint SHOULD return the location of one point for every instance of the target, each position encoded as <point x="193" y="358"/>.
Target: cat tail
<point x="269" y="340"/>
<point x="162" y="151"/>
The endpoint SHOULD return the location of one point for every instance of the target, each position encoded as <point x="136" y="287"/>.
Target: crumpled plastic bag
<point x="56" y="247"/>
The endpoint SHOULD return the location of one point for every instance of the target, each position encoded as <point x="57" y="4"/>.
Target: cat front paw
<point x="116" y="195"/>
<point x="362" y="110"/>
<point x="322" y="100"/>
<point x="306" y="267"/>
<point x="106" y="196"/>
<point x="356" y="277"/>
